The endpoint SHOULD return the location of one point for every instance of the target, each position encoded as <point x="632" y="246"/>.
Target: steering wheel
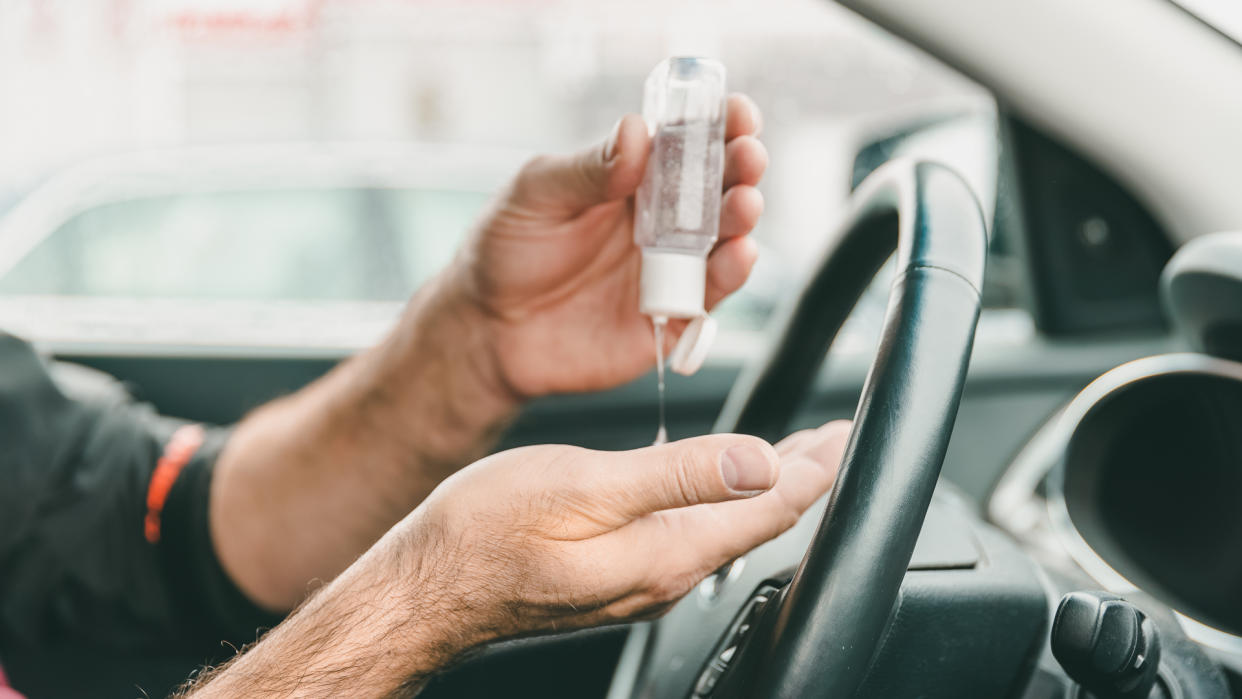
<point x="759" y="627"/>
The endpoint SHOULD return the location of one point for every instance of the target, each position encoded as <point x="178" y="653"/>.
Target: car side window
<point x="266" y="245"/>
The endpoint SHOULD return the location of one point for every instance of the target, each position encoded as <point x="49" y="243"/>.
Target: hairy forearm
<point x="310" y="481"/>
<point x="374" y="632"/>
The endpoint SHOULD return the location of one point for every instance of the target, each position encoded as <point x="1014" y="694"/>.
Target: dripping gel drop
<point x="658" y="324"/>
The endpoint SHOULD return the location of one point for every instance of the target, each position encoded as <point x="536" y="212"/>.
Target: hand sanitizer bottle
<point x="677" y="208"/>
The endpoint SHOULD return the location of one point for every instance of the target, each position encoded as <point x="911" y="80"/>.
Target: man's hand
<point x="550" y="538"/>
<point x="554" y="269"/>
<point x="534" y="540"/>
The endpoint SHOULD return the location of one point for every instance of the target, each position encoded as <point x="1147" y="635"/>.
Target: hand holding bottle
<point x="552" y="270"/>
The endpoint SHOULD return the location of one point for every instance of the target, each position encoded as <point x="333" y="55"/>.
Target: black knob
<point x="1106" y="645"/>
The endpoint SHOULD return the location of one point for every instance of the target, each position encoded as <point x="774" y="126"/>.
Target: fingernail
<point x="610" y="146"/>
<point x="746" y="469"/>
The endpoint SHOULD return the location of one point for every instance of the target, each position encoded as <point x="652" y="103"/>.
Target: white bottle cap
<point x="672" y="284"/>
<point x="693" y="345"/>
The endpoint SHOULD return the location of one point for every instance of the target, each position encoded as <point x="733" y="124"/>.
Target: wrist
<point x="310" y="480"/>
<point x="375" y="631"/>
<point x="438" y="377"/>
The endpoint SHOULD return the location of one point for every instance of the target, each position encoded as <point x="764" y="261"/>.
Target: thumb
<point x="569" y="184"/>
<point x="714" y="468"/>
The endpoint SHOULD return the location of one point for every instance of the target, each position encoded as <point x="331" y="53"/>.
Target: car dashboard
<point x="1132" y="487"/>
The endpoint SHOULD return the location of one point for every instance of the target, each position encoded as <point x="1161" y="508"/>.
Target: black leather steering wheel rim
<point x="832" y="616"/>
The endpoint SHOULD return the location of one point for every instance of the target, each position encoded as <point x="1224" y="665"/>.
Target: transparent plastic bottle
<point x="677" y="208"/>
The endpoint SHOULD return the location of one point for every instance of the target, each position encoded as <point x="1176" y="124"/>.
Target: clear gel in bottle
<point x="677" y="209"/>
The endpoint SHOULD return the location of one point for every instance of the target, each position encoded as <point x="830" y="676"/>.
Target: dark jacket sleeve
<point x="78" y="565"/>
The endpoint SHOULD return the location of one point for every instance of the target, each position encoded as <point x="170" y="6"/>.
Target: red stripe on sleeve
<point x="185" y="441"/>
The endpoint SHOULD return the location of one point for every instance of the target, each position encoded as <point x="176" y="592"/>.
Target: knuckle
<point x="543" y="482"/>
<point x="786" y="515"/>
<point x="585" y="172"/>
<point x="670" y="588"/>
<point x="566" y="479"/>
<point x="566" y="476"/>
<point x="787" y="519"/>
<point x="534" y="166"/>
<point x="839" y="428"/>
<point x="530" y="174"/>
<point x="683" y="472"/>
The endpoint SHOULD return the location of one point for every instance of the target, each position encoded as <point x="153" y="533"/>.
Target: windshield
<point x="343" y="244"/>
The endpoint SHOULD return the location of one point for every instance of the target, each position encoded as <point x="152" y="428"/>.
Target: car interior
<point x="1053" y="516"/>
